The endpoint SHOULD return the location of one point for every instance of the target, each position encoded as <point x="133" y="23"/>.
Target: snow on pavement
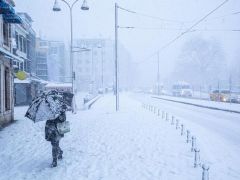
<point x="132" y="144"/>
<point x="217" y="134"/>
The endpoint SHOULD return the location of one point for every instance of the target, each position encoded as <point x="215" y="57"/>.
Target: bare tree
<point x="201" y="62"/>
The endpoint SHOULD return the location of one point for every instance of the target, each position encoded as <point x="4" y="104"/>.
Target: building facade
<point x="7" y="58"/>
<point x="41" y="59"/>
<point x="50" y="60"/>
<point x="95" y="65"/>
<point x="25" y="47"/>
<point x="56" y="61"/>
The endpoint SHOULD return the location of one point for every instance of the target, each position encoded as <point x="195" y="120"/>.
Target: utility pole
<point x="102" y="68"/>
<point x="116" y="57"/>
<point x="158" y="75"/>
<point x="230" y="88"/>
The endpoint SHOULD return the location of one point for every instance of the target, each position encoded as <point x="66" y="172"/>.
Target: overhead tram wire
<point x="184" y="32"/>
<point x="224" y="16"/>
<point x="177" y="29"/>
<point x="153" y="17"/>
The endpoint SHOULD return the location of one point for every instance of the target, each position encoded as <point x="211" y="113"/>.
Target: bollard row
<point x="189" y="138"/>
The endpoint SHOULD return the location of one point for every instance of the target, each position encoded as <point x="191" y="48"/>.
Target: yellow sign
<point x="21" y="75"/>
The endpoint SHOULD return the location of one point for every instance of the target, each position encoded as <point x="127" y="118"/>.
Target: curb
<point x="89" y="104"/>
<point x="197" y="105"/>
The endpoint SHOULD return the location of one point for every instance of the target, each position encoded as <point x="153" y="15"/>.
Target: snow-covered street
<point x="217" y="133"/>
<point x="131" y="144"/>
<point x="102" y="144"/>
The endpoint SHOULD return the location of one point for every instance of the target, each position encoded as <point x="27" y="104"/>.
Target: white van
<point x="182" y="89"/>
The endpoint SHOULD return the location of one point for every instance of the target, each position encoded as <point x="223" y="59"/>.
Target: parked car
<point x="235" y="98"/>
<point x="182" y="89"/>
<point x="225" y="96"/>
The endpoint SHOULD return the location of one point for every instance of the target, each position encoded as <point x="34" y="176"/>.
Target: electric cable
<point x="186" y="31"/>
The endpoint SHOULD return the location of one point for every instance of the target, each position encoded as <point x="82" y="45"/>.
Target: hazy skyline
<point x="143" y="42"/>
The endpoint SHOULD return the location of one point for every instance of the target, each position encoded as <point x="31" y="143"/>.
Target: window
<point x="43" y="43"/>
<point x="54" y="50"/>
<point x="17" y="41"/>
<point x="21" y="43"/>
<point x="7" y="89"/>
<point x="24" y="45"/>
<point x="42" y="66"/>
<point x="6" y="34"/>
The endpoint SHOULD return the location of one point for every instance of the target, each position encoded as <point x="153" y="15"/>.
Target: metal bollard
<point x="188" y="136"/>
<point x="173" y="119"/>
<point x="166" y="116"/>
<point x="158" y="112"/>
<point x="177" y="124"/>
<point x="193" y="143"/>
<point x="197" y="158"/>
<point x="155" y="110"/>
<point x="163" y="114"/>
<point x="182" y="129"/>
<point x="205" y="172"/>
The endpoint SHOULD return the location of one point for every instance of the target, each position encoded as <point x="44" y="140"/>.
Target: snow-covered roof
<point x="18" y="81"/>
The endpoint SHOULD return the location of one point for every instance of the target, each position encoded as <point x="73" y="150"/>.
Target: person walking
<point x="53" y="135"/>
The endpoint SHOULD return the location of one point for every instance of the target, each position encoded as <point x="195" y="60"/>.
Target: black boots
<point x="60" y="154"/>
<point x="54" y="163"/>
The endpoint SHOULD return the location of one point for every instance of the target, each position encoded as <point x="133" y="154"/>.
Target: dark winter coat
<point x="51" y="131"/>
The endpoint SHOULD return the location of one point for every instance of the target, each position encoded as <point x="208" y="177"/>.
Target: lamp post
<point x="101" y="47"/>
<point x="158" y="75"/>
<point x="57" y="8"/>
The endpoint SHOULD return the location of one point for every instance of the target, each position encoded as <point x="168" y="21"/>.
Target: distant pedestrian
<point x="53" y="135"/>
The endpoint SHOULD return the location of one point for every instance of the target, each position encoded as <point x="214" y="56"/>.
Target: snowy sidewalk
<point x="132" y="144"/>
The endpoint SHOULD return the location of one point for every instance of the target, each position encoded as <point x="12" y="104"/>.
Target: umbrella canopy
<point x="67" y="98"/>
<point x="48" y="106"/>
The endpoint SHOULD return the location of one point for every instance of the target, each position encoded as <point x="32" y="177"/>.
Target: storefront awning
<point x="6" y="8"/>
<point x="10" y="55"/>
<point x="12" y="18"/>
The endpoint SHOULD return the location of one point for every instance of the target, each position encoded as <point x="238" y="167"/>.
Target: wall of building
<point x="6" y="78"/>
<point x="99" y="63"/>
<point x="6" y="94"/>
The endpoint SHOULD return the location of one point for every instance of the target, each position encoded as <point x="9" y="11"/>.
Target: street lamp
<point x="56" y="8"/>
<point x="116" y="57"/>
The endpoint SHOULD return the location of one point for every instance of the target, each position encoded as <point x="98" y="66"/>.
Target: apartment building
<point x="8" y="18"/>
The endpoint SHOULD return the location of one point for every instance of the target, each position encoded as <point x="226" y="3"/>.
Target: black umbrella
<point x="48" y="106"/>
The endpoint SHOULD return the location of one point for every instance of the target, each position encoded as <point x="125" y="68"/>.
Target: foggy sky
<point x="141" y="43"/>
